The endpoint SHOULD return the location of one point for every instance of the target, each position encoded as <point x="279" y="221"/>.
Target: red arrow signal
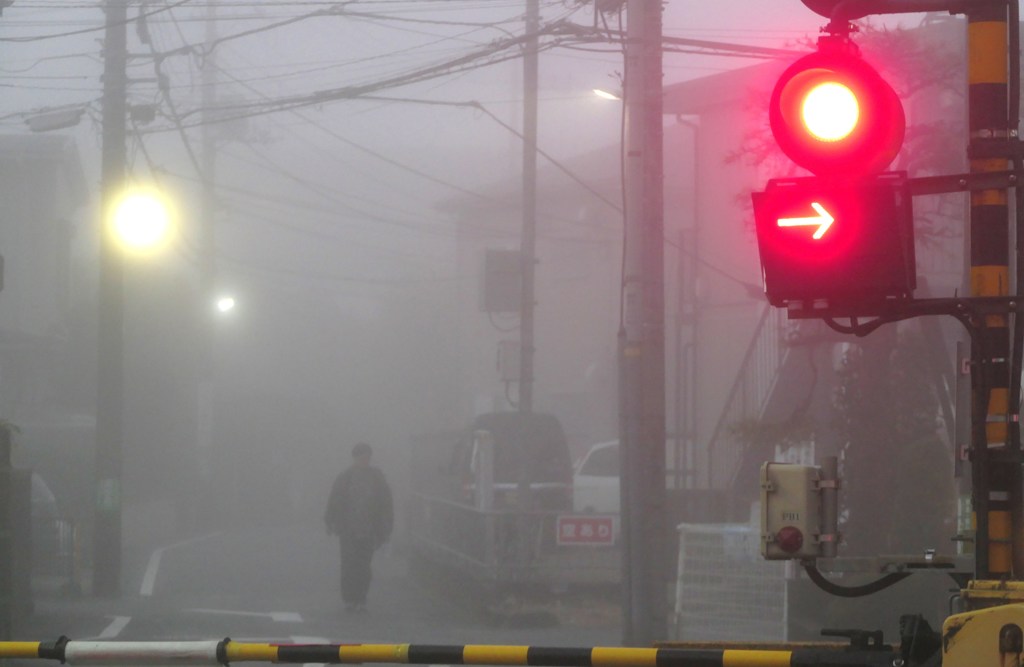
<point x="845" y="243"/>
<point x="823" y="220"/>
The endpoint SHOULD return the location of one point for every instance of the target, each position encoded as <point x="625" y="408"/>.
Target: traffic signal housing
<point x="843" y="237"/>
<point x="851" y="244"/>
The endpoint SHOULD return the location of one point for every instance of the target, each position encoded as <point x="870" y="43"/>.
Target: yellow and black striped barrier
<point x="225" y="652"/>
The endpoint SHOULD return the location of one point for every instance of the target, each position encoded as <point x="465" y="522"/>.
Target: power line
<point x="363" y="91"/>
<point x="306" y="183"/>
<point x="275" y="167"/>
<point x="38" y="38"/>
<point x="348" y="142"/>
<point x="332" y="10"/>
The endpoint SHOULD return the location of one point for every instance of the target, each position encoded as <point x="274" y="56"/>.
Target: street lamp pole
<point x="205" y="388"/>
<point x="110" y="376"/>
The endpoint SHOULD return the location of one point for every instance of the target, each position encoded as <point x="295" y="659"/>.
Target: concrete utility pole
<point x="528" y="242"/>
<point x="995" y="452"/>
<point x="207" y="266"/>
<point x="110" y="377"/>
<point x="642" y="338"/>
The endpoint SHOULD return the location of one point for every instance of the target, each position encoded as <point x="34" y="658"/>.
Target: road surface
<point x="281" y="583"/>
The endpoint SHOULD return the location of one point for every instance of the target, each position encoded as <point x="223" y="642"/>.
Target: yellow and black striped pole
<point x="995" y="478"/>
<point x="225" y="652"/>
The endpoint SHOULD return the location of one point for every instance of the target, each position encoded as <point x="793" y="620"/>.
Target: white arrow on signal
<point x="823" y="221"/>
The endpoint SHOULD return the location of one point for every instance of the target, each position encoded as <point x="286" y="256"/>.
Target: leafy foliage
<point x="898" y="485"/>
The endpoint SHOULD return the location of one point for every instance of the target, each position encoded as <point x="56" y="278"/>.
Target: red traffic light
<point x="848" y="243"/>
<point x="831" y="113"/>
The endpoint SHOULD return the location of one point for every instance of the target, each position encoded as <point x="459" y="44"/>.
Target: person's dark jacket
<point x="360" y="505"/>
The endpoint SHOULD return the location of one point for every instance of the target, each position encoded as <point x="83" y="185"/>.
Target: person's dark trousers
<point x="356" y="557"/>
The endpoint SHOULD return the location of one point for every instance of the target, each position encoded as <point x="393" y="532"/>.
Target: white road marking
<point x="115" y="627"/>
<point x="276" y="616"/>
<point x="149" y="578"/>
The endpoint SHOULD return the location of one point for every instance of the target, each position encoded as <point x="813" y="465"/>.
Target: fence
<point x="725" y="591"/>
<point x="56" y="554"/>
<point x="505" y="546"/>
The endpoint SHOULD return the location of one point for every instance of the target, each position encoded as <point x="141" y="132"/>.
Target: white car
<point x="596" y="480"/>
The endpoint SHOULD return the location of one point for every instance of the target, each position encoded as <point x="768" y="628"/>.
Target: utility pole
<point x="528" y="242"/>
<point x="207" y="266"/>
<point x="642" y="337"/>
<point x="995" y="450"/>
<point x="110" y="376"/>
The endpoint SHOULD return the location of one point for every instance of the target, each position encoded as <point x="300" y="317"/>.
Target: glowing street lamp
<point x="225" y="304"/>
<point x="141" y="221"/>
<point x="604" y="94"/>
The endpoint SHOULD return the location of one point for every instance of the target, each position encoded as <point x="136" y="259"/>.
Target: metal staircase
<point x="781" y="372"/>
<point x="757" y="377"/>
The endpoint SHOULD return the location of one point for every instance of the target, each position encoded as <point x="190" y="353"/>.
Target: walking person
<point x="360" y="513"/>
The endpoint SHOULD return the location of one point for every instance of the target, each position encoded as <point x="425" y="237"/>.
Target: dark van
<point x="530" y="465"/>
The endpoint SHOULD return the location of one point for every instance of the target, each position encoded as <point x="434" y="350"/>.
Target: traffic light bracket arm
<point x="850" y="10"/>
<point x="969" y="311"/>
<point x="935" y="185"/>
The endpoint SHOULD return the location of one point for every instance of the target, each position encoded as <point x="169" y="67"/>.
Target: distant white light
<point x="606" y="95"/>
<point x="225" y="304"/>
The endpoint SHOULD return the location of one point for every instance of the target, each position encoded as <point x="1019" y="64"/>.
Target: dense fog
<point x="340" y="170"/>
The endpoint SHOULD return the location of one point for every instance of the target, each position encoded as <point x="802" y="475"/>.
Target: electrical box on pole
<point x="799" y="511"/>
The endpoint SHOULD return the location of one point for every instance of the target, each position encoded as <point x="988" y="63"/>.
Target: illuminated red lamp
<point x="844" y="241"/>
<point x="831" y="113"/>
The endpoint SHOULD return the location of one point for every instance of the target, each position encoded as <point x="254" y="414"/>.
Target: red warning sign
<point x="591" y="529"/>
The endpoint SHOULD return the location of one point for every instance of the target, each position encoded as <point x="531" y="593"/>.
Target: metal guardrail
<point x="57" y="556"/>
<point x="748" y="394"/>
<point x="55" y="548"/>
